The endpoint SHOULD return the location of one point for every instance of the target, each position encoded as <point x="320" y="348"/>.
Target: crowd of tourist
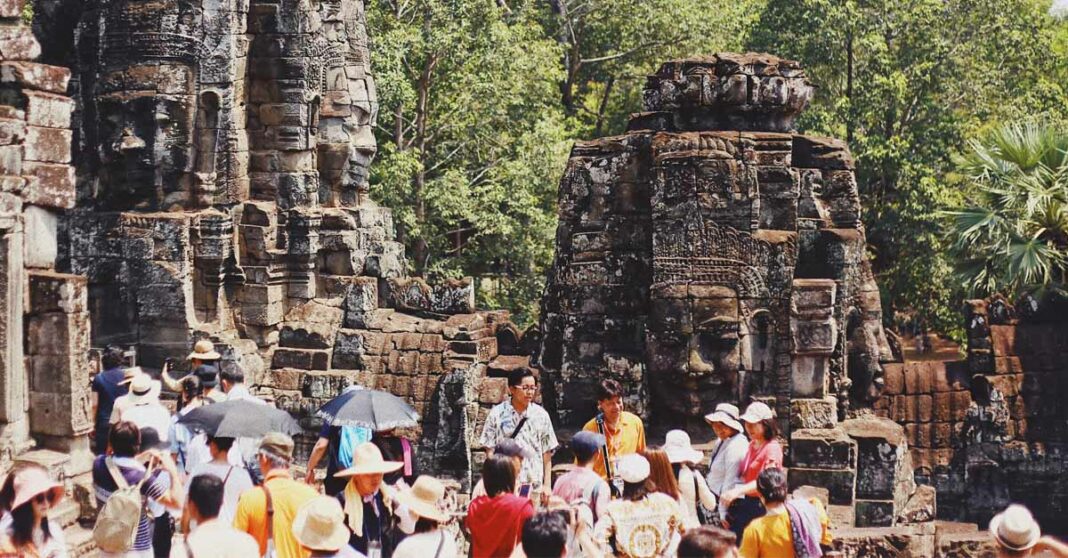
<point x="166" y="490"/>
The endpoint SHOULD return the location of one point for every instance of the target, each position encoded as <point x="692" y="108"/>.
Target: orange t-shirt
<point x="770" y="536"/>
<point x="287" y="496"/>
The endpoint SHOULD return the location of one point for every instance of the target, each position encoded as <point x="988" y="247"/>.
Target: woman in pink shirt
<point x="765" y="451"/>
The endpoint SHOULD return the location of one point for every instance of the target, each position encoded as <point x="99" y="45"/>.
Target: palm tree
<point x="1012" y="236"/>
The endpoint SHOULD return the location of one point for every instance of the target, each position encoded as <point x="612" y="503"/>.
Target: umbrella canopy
<point x="240" y="418"/>
<point x="377" y="410"/>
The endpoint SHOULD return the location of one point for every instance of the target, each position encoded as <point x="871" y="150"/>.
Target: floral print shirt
<point x="537" y="437"/>
<point x="647" y="528"/>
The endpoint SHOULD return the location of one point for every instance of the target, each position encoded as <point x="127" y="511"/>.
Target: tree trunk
<point x="420" y="248"/>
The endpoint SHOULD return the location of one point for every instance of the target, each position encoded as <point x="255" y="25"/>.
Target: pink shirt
<point x="756" y="460"/>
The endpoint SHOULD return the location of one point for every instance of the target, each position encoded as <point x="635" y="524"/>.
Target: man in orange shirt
<point x="623" y="431"/>
<point x="789" y="528"/>
<point x="286" y="495"/>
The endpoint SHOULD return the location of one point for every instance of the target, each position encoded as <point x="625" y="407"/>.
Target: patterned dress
<point x="537" y="437"/>
<point x="647" y="528"/>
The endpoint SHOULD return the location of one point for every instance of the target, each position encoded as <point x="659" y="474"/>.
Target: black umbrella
<point x="240" y="418"/>
<point x="377" y="410"/>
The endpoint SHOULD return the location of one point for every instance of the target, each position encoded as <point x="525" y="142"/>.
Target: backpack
<point x="348" y="439"/>
<point x="118" y="520"/>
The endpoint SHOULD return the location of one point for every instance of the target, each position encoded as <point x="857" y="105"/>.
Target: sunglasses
<point x="43" y="497"/>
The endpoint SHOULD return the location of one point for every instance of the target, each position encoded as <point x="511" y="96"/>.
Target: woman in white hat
<point x="319" y="527"/>
<point x="765" y="452"/>
<point x="1017" y="534"/>
<point x="26" y="497"/>
<point x="692" y="486"/>
<point x="727" y="454"/>
<point x="643" y="523"/>
<point x="425" y="500"/>
<point x="368" y="515"/>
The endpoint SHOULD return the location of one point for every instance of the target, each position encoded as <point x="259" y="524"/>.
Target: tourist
<point x="694" y="495"/>
<point x="320" y="529"/>
<point x="643" y="522"/>
<point x="121" y="402"/>
<point x="545" y="535"/>
<point x="790" y="529"/>
<point x="235" y="479"/>
<point x="203" y="353"/>
<point x="623" y="431"/>
<point x="510" y="448"/>
<point x="764" y="452"/>
<point x="107" y="387"/>
<point x="523" y="420"/>
<point x="188" y="449"/>
<point x="163" y="485"/>
<point x="728" y="452"/>
<point x="336" y="443"/>
<point x="1017" y="534"/>
<point x="397" y="448"/>
<point x="286" y="495"/>
<point x="232" y="380"/>
<point x="661" y="472"/>
<point x="581" y="487"/>
<point x="708" y="542"/>
<point x="26" y="497"/>
<point x="143" y="407"/>
<point x="209" y="381"/>
<point x="163" y="526"/>
<point x="367" y="515"/>
<point x="496" y="520"/>
<point x="428" y="538"/>
<point x="213" y="535"/>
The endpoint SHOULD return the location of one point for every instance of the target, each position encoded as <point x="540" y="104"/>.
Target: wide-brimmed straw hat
<point x="727" y="414"/>
<point x="143" y="389"/>
<point x="320" y="525"/>
<point x="424" y="498"/>
<point x="678" y="448"/>
<point x="203" y="350"/>
<point x="30" y="482"/>
<point x="367" y="460"/>
<point x="1015" y="528"/>
<point x="757" y="412"/>
<point x="128" y="374"/>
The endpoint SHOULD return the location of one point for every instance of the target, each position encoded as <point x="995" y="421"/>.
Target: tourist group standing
<point x="236" y="497"/>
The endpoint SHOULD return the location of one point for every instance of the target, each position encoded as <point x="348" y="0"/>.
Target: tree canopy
<point x="481" y="100"/>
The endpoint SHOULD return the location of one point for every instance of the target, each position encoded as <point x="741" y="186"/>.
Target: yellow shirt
<point x="769" y="536"/>
<point x="629" y="439"/>
<point x="287" y="496"/>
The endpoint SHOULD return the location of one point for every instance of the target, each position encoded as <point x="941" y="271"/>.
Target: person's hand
<point x="729" y="497"/>
<point x="309" y="477"/>
<point x="543" y="496"/>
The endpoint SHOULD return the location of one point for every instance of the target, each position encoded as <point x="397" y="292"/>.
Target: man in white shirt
<point x="143" y="407"/>
<point x="212" y="536"/>
<point x="727" y="453"/>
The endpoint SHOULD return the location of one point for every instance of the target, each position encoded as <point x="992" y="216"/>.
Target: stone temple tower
<point x="710" y="254"/>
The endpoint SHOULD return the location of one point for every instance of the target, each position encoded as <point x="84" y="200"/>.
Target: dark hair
<point x="706" y="542"/>
<point x="585" y="454"/>
<point x="771" y="484"/>
<point x="545" y="534"/>
<point x="635" y="491"/>
<point x="22" y="525"/>
<point x="113" y="357"/>
<point x="125" y="439"/>
<point x="221" y="442"/>
<point x="608" y="389"/>
<point x="515" y="377"/>
<point x="191" y="386"/>
<point x="424" y="525"/>
<point x="7" y="490"/>
<point x="771" y="429"/>
<point x="206" y="493"/>
<point x="498" y="475"/>
<point x="232" y="373"/>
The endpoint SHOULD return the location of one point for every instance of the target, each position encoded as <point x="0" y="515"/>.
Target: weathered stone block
<point x="41" y="244"/>
<point x="874" y="513"/>
<point x="47" y="145"/>
<point x="48" y="109"/>
<point x="31" y="75"/>
<point x="813" y="413"/>
<point x="839" y="483"/>
<point x="822" y="449"/>
<point x="18" y="43"/>
<point x="49" y="184"/>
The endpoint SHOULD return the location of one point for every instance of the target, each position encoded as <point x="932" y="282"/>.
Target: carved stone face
<point x="693" y="347"/>
<point x="144" y="141"/>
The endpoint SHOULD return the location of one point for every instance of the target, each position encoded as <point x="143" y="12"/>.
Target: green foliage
<point x="1012" y="234"/>
<point x="471" y="139"/>
<point x="908" y="82"/>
